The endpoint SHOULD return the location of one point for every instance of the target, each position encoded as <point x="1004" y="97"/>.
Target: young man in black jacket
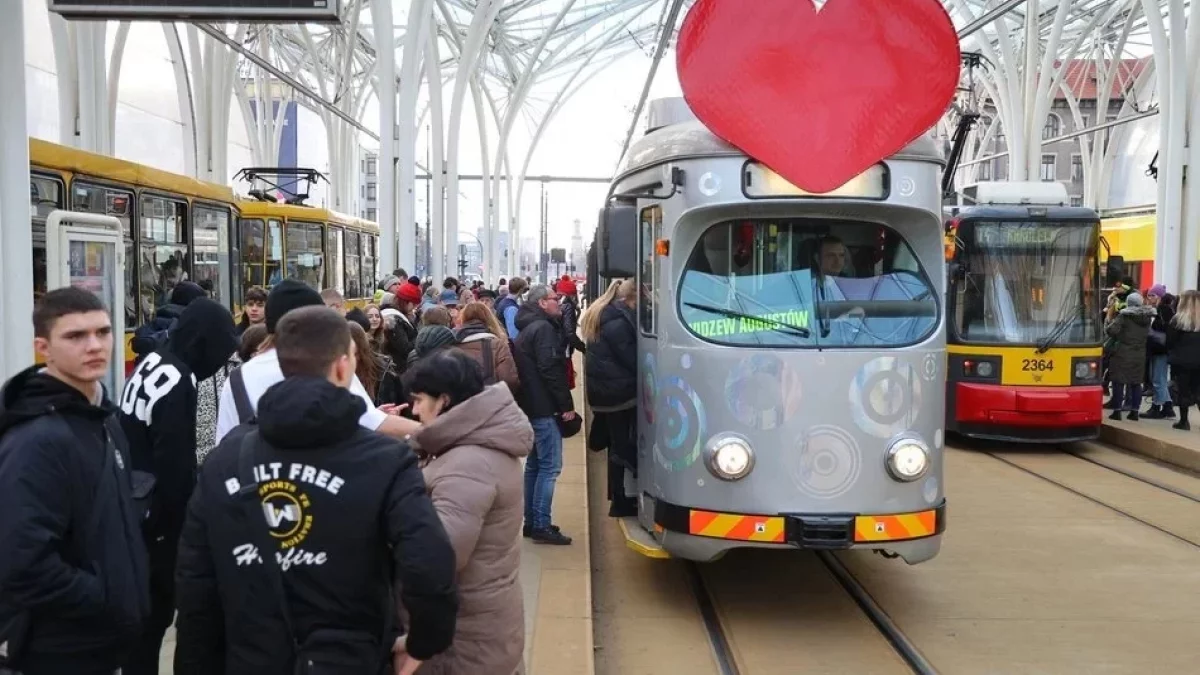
<point x="311" y="504"/>
<point x="158" y="415"/>
<point x="545" y="398"/>
<point x="73" y="579"/>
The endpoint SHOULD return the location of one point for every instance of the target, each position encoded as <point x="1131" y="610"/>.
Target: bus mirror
<point x="617" y="239"/>
<point x="1114" y="271"/>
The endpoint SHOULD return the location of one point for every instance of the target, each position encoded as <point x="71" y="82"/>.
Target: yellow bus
<point x="178" y="228"/>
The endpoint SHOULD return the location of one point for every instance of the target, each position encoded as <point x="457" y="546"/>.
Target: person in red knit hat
<point x="569" y="302"/>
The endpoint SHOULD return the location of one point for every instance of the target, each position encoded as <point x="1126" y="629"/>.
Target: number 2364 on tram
<point x="1024" y="345"/>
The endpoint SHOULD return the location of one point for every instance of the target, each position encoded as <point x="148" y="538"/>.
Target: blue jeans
<point x="541" y="471"/>
<point x="1158" y="378"/>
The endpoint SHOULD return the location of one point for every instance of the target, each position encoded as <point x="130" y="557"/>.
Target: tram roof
<point x="259" y="209"/>
<point x="692" y="139"/>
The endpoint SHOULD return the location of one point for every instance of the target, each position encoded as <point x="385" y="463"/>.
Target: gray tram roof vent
<point x="664" y="112"/>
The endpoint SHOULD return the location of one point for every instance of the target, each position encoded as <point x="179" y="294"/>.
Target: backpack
<point x="148" y="339"/>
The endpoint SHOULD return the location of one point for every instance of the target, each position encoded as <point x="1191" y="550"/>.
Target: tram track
<point x="722" y="641"/>
<point x="1087" y="493"/>
<point x="1142" y="478"/>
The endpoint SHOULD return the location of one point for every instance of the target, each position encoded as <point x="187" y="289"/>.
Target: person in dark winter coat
<point x="568" y="293"/>
<point x="610" y="328"/>
<point x="546" y="398"/>
<point x="1156" y="352"/>
<point x="346" y="517"/>
<point x="1183" y="347"/>
<point x="158" y="416"/>
<point x="429" y="339"/>
<point x="74" y="585"/>
<point x="1128" y="330"/>
<point x="153" y="335"/>
<point x="399" y="315"/>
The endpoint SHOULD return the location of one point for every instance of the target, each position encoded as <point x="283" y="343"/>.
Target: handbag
<point x="324" y="651"/>
<point x="14" y="631"/>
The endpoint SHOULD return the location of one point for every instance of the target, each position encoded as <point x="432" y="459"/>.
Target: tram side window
<point x="211" y="226"/>
<point x="163" y="260"/>
<point x="45" y="195"/>
<point x="353" y="262"/>
<point x="806" y="283"/>
<point x="368" y="263"/>
<point x="117" y="203"/>
<point x="274" y="263"/>
<point x="253" y="252"/>
<point x="651" y="232"/>
<point x="335" y="250"/>
<point x="305" y="254"/>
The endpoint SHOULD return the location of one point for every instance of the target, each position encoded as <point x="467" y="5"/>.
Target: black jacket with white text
<point x="348" y="512"/>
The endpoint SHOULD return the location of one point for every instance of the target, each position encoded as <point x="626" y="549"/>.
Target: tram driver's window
<point x="651" y="231"/>
<point x="806" y="283"/>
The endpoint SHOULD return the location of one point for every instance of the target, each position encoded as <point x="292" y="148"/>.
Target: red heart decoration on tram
<point x="818" y="95"/>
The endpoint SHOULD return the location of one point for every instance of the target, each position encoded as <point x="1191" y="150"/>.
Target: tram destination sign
<point x="299" y="11"/>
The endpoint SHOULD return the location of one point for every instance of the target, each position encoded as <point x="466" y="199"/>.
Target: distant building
<point x="1062" y="161"/>
<point x="578" y="258"/>
<point x="368" y="186"/>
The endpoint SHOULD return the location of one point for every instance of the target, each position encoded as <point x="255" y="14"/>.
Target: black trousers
<point x="143" y="660"/>
<point x="622" y="451"/>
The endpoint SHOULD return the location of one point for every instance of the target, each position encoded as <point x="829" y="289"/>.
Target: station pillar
<point x="16" y="240"/>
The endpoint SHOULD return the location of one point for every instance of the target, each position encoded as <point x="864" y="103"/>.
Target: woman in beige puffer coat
<point x="471" y="442"/>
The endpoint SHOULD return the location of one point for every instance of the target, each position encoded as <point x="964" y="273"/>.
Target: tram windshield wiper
<point x="782" y="325"/>
<point x="1048" y="340"/>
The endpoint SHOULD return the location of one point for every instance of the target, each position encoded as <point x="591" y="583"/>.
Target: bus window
<point x="335" y="268"/>
<point x="253" y="252"/>
<point x="651" y="223"/>
<point x="368" y="263"/>
<point x="274" y="252"/>
<point x="119" y="204"/>
<point x="353" y="265"/>
<point x="163" y="261"/>
<point x="210" y="225"/>
<point x="45" y="195"/>
<point x="305" y="259"/>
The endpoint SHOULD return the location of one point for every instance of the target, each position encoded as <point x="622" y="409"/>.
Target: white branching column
<point x="420" y="20"/>
<point x="1175" y="53"/>
<point x="87" y="83"/>
<point x="385" y="55"/>
<point x="205" y="75"/>
<point x="481" y="23"/>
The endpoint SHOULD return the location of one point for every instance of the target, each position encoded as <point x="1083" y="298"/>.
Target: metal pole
<point x="545" y="179"/>
<point x="987" y="18"/>
<point x="16" y="236"/>
<point x="542" y="257"/>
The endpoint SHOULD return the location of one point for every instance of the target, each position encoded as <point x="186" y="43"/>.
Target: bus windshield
<point x="1029" y="283"/>
<point x="807" y="283"/>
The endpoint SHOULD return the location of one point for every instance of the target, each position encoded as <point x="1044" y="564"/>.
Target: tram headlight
<point x="985" y="369"/>
<point x="907" y="459"/>
<point x="729" y="457"/>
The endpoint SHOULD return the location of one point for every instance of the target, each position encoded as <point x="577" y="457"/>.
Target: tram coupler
<point x="820" y="532"/>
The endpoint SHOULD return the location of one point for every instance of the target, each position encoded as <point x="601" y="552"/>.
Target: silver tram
<point x="791" y="349"/>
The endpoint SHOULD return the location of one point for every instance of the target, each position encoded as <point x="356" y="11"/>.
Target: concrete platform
<point x="556" y="580"/>
<point x="1157" y="440"/>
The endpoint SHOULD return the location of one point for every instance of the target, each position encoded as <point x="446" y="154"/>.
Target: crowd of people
<point x="1152" y="347"/>
<point x="310" y="489"/>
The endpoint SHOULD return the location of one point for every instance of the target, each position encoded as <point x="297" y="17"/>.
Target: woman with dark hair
<point x="471" y="444"/>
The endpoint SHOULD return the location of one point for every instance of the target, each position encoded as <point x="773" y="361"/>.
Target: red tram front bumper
<point x="1030" y="407"/>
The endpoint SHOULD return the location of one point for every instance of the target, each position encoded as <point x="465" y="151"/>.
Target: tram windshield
<point x="806" y="283"/>
<point x="1026" y="283"/>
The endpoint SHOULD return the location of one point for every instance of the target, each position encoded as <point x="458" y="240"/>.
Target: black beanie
<point x="287" y="295"/>
<point x="359" y="317"/>
<point x="185" y="292"/>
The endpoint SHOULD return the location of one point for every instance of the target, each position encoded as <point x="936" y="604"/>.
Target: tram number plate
<point x="1037" y="365"/>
